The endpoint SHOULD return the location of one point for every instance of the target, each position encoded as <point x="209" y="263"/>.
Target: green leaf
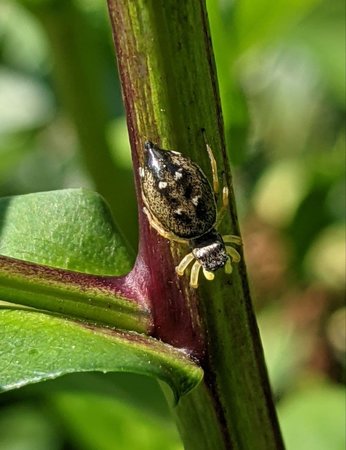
<point x="36" y="347"/>
<point x="73" y="229"/>
<point x="70" y="229"/>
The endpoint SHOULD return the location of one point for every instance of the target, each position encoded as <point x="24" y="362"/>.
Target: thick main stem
<point x="170" y="91"/>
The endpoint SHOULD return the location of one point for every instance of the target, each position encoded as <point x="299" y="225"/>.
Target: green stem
<point x="170" y="89"/>
<point x="97" y="299"/>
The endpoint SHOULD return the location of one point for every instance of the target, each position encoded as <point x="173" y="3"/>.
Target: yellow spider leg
<point x="233" y="253"/>
<point x="232" y="239"/>
<point x="209" y="275"/>
<point x="228" y="267"/>
<point x="213" y="164"/>
<point x="180" y="269"/>
<point x="225" y="194"/>
<point x="223" y="209"/>
<point x="194" y="274"/>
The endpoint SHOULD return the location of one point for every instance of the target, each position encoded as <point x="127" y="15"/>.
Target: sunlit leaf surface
<point x="70" y="229"/>
<point x="36" y="347"/>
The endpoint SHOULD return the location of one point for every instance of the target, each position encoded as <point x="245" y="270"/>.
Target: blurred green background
<point x="281" y="69"/>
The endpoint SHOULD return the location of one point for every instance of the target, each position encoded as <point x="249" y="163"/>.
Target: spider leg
<point x="232" y="239"/>
<point x="180" y="269"/>
<point x="216" y="184"/>
<point x="233" y="254"/>
<point x="208" y="275"/>
<point x="223" y="209"/>
<point x="213" y="163"/>
<point x="216" y="188"/>
<point x="228" y="267"/>
<point x="194" y="274"/>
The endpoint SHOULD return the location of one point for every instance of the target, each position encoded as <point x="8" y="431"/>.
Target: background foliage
<point x="281" y="73"/>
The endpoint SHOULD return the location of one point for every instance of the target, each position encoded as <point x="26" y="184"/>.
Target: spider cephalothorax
<point x="180" y="204"/>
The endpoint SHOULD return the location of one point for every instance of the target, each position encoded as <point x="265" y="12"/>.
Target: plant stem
<point x="170" y="91"/>
<point x="105" y="300"/>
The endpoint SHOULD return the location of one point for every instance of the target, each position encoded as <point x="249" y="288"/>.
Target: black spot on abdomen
<point x="201" y="210"/>
<point x="188" y="191"/>
<point x="182" y="218"/>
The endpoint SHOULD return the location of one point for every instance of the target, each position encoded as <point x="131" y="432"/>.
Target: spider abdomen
<point x="177" y="193"/>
